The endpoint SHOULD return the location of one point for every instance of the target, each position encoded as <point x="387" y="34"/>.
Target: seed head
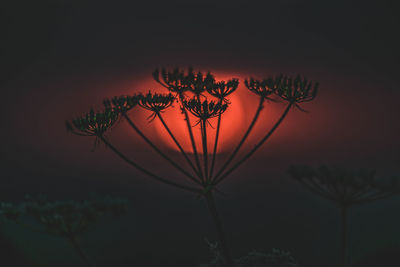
<point x="179" y="82"/>
<point x="222" y="89"/>
<point x="156" y="102"/>
<point x="93" y="123"/>
<point x="343" y="186"/>
<point x="296" y="90"/>
<point x="264" y="88"/>
<point x="122" y="104"/>
<point x="204" y="110"/>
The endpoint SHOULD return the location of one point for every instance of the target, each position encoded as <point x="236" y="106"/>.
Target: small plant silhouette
<point x="67" y="219"/>
<point x="273" y="258"/>
<point x="204" y="98"/>
<point x="345" y="189"/>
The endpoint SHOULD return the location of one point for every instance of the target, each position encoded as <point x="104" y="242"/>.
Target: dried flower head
<point x="176" y="81"/>
<point x="63" y="218"/>
<point x="297" y="90"/>
<point x="204" y="110"/>
<point x="222" y="89"/>
<point x="156" y="102"/>
<point x="121" y="104"/>
<point x="264" y="88"/>
<point x="93" y="123"/>
<point x="201" y="83"/>
<point x="344" y="187"/>
<point x="179" y="82"/>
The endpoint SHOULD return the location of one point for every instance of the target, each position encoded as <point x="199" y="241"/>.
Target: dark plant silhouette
<point x="345" y="189"/>
<point x="67" y="219"/>
<point x="273" y="258"/>
<point x="204" y="98"/>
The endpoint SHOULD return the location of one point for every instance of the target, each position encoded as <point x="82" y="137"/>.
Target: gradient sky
<point x="60" y="58"/>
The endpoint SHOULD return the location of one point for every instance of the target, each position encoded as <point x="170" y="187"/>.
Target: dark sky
<point x="58" y="58"/>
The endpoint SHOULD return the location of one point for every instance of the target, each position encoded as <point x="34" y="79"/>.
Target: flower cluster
<point x="222" y="89"/>
<point x="343" y="186"/>
<point x="297" y="90"/>
<point x="156" y="102"/>
<point x="121" y="104"/>
<point x="64" y="218"/>
<point x="204" y="110"/>
<point x="293" y="90"/>
<point x="177" y="81"/>
<point x="265" y="88"/>
<point x="93" y="123"/>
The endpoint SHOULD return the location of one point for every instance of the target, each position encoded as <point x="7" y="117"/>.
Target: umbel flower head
<point x="344" y="187"/>
<point x="93" y="123"/>
<point x="204" y="110"/>
<point x="121" y="104"/>
<point x="265" y="88"/>
<point x="296" y="90"/>
<point x="156" y="102"/>
<point x="179" y="82"/>
<point x="222" y="89"/>
<point x="64" y="218"/>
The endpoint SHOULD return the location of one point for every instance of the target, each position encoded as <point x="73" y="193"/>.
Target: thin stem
<point x="192" y="140"/>
<point x="177" y="143"/>
<point x="173" y="163"/>
<point x="374" y="197"/>
<point x="316" y="189"/>
<point x="229" y="160"/>
<point x="218" y="224"/>
<point x="78" y="249"/>
<point x="204" y="141"/>
<point x="215" y="145"/>
<point x="344" y="235"/>
<point x="152" y="175"/>
<point x="257" y="146"/>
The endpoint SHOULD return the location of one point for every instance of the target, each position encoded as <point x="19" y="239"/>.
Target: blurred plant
<point x="345" y="189"/>
<point x="274" y="258"/>
<point x="67" y="219"/>
<point x="204" y="98"/>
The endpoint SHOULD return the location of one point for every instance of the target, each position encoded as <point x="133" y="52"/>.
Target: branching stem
<point x="192" y="140"/>
<point x="205" y="152"/>
<point x="177" y="144"/>
<point x="149" y="142"/>
<point x="145" y="171"/>
<point x="257" y="146"/>
<point x="215" y="145"/>
<point x="229" y="160"/>
<point x="72" y="240"/>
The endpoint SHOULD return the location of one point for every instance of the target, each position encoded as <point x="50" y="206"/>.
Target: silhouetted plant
<point x="345" y="189"/>
<point x="194" y="93"/>
<point x="274" y="258"/>
<point x="67" y="219"/>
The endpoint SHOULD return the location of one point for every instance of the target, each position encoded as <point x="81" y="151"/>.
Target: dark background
<point x="58" y="58"/>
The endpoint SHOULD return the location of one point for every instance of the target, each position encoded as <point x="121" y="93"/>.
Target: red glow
<point x="231" y="122"/>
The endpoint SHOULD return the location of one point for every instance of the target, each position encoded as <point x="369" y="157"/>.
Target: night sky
<point x="60" y="58"/>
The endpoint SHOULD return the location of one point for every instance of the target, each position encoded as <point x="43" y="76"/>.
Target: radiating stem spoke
<point x="192" y="140"/>
<point x="145" y="171"/>
<point x="232" y="156"/>
<point x="257" y="146"/>
<point x="215" y="146"/>
<point x="149" y="142"/>
<point x="205" y="152"/>
<point x="177" y="144"/>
